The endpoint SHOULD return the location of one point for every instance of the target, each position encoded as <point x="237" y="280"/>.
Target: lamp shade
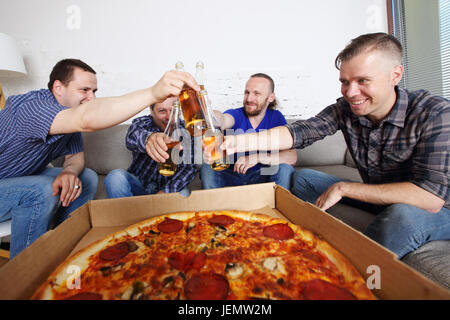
<point x="11" y="60"/>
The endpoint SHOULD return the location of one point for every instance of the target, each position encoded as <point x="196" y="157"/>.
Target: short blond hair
<point x="368" y="42"/>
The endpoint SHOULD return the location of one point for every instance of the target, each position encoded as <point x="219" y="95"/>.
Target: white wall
<point x="132" y="43"/>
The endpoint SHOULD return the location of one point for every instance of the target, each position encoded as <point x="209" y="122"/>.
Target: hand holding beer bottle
<point x="191" y="108"/>
<point x="212" y="137"/>
<point x="171" y="138"/>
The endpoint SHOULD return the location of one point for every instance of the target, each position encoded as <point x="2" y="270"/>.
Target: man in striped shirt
<point x="145" y="135"/>
<point x="398" y="139"/>
<point x="40" y="126"/>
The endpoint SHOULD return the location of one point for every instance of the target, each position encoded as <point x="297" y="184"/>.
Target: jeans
<point x="120" y="183"/>
<point x="401" y="228"/>
<point x="218" y="179"/>
<point x="29" y="202"/>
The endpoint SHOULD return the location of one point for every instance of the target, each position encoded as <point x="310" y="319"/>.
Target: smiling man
<point x="398" y="139"/>
<point x="40" y="126"/>
<point x="144" y="138"/>
<point x="258" y="114"/>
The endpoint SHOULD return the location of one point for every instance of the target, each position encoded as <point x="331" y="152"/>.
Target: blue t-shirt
<point x="272" y="118"/>
<point x="26" y="148"/>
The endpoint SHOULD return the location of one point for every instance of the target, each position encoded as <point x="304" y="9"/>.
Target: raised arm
<point x="103" y="113"/>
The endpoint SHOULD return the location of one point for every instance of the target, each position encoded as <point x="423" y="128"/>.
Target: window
<point x="423" y="28"/>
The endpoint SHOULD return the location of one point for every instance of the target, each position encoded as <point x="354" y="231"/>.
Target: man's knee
<point x="116" y="176"/>
<point x="284" y="175"/>
<point x="209" y="178"/>
<point x="89" y="177"/>
<point x="395" y="229"/>
<point x="301" y="179"/>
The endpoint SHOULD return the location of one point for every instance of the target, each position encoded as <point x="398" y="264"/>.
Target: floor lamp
<point x="11" y="61"/>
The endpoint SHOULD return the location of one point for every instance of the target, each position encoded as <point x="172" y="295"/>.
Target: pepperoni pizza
<point x="207" y="255"/>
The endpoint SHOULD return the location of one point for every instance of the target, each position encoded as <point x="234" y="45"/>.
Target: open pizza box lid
<point x="388" y="277"/>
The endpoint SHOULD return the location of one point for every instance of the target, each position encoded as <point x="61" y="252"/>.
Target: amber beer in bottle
<point x="213" y="137"/>
<point x="191" y="108"/>
<point x="212" y="141"/>
<point x="169" y="167"/>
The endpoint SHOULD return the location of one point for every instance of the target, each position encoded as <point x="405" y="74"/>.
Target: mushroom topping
<point x="273" y="264"/>
<point x="234" y="270"/>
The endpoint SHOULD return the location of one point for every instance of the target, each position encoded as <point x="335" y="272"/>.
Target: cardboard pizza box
<point x="386" y="276"/>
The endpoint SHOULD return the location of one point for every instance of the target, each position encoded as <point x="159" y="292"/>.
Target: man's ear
<point x="397" y="74"/>
<point x="57" y="88"/>
<point x="272" y="97"/>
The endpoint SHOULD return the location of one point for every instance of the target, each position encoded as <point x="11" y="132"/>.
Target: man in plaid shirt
<point x="144" y="137"/>
<point x="398" y="139"/>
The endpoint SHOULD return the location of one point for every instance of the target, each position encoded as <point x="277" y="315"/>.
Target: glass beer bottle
<point x="191" y="108"/>
<point x="169" y="167"/>
<point x="212" y="137"/>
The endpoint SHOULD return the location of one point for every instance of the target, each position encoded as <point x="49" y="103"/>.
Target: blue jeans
<point x="218" y="179"/>
<point x="29" y="202"/>
<point x="120" y="183"/>
<point x="401" y="228"/>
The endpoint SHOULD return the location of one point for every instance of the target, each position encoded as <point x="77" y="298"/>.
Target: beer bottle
<point x="169" y="167"/>
<point x="191" y="108"/>
<point x="212" y="137"/>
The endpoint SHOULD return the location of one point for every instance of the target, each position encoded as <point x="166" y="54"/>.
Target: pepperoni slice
<point x="318" y="289"/>
<point x="221" y="220"/>
<point x="184" y="262"/>
<point x="198" y="261"/>
<point x="176" y="260"/>
<point x="170" y="225"/>
<point x="115" y="252"/>
<point x="86" y="296"/>
<point x="207" y="286"/>
<point x="279" y="231"/>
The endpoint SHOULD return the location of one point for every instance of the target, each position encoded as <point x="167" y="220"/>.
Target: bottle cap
<point x="179" y="65"/>
<point x="200" y="65"/>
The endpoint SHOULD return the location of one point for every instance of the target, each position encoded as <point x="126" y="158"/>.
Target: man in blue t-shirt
<point x="257" y="114"/>
<point x="40" y="126"/>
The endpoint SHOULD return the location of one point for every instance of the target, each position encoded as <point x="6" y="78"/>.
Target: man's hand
<point x="171" y="84"/>
<point x="207" y="152"/>
<point x="330" y="197"/>
<point x="70" y="186"/>
<point x="245" y="162"/>
<point x="156" y="147"/>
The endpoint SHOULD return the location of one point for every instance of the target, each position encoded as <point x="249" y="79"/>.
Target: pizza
<point x="208" y="255"/>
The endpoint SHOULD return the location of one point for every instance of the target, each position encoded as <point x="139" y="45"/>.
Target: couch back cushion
<point x="329" y="151"/>
<point x="105" y="150"/>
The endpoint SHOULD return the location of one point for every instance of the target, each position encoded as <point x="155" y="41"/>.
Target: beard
<point x="258" y="110"/>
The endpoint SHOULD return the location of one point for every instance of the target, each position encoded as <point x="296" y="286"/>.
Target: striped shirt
<point x="26" y="148"/>
<point x="146" y="169"/>
<point x="411" y="144"/>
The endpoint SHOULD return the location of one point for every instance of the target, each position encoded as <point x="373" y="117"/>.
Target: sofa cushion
<point x="329" y="151"/>
<point x="105" y="150"/>
<point x="433" y="260"/>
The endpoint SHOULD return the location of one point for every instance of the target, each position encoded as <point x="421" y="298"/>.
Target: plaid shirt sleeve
<point x="138" y="132"/>
<point x="431" y="157"/>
